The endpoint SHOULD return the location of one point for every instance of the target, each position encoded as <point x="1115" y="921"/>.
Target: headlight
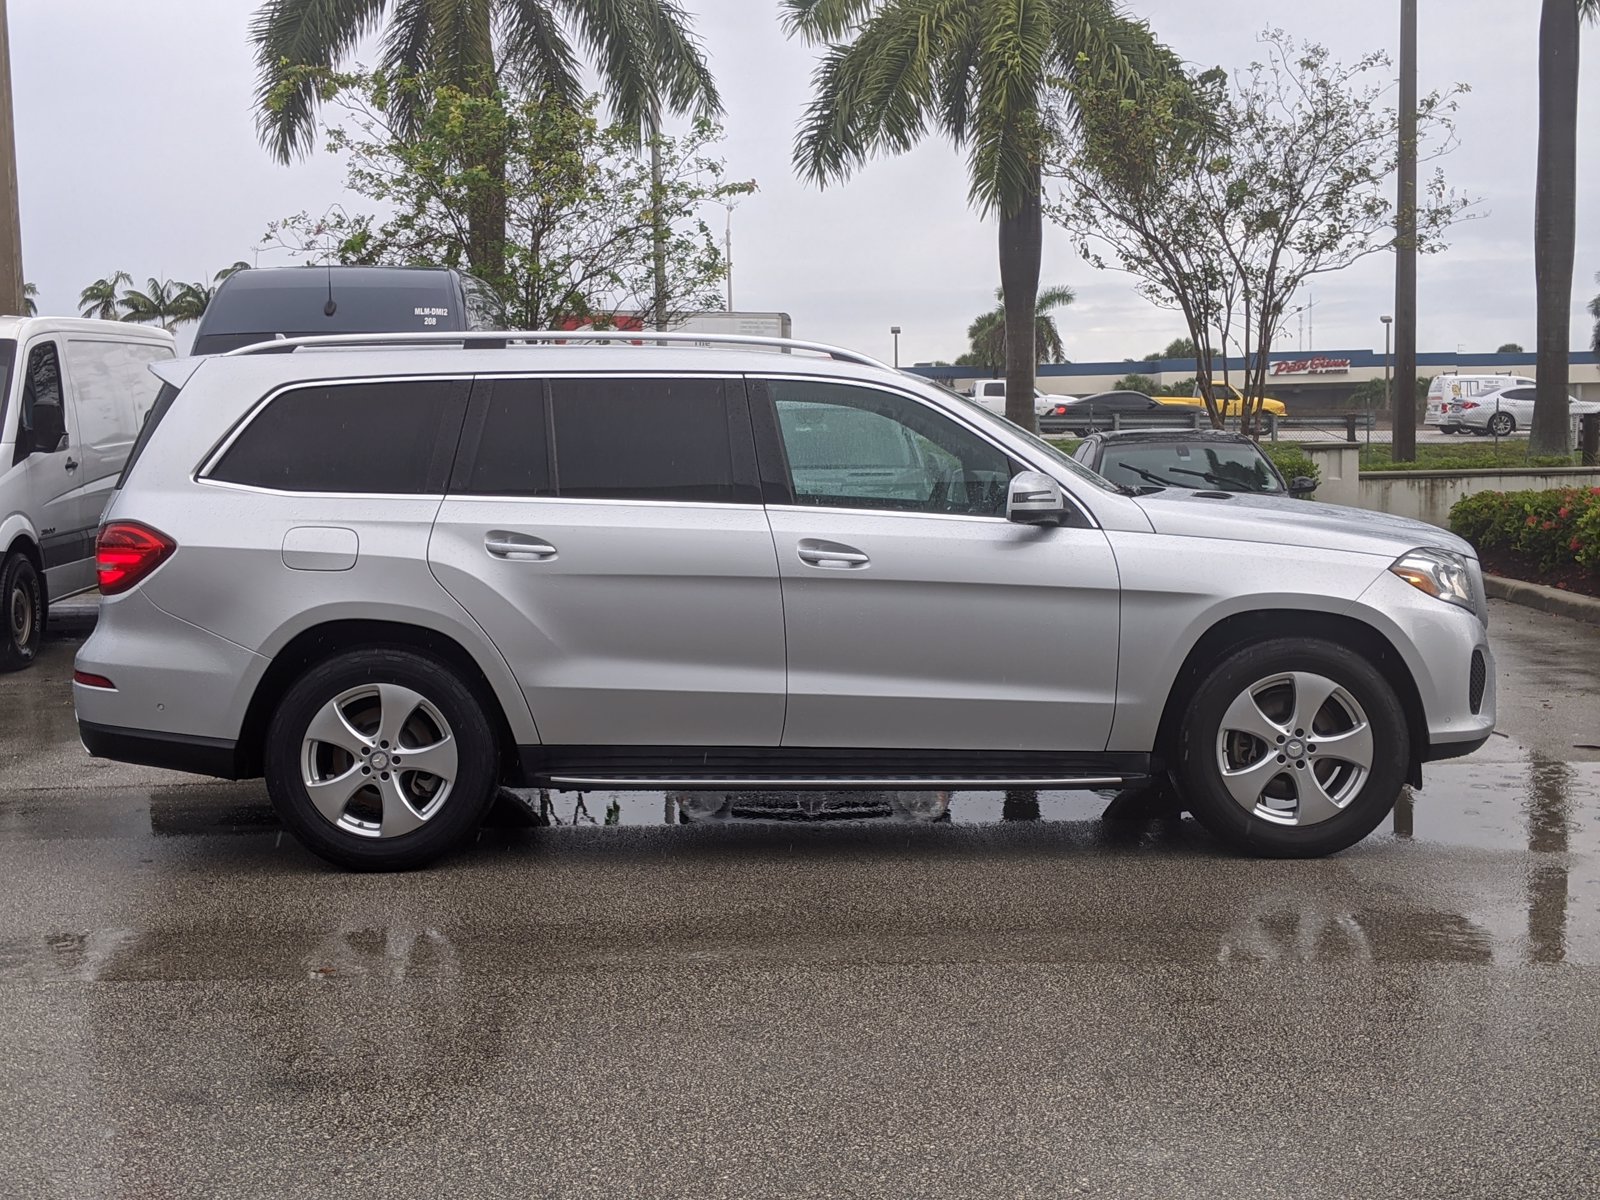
<point x="1443" y="574"/>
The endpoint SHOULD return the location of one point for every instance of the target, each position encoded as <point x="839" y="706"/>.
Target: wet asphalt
<point x="191" y="1005"/>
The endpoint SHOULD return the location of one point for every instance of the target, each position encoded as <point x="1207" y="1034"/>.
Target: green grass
<point x="1065" y="445"/>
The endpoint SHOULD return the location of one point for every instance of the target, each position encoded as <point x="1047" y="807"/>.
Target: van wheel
<point x="1293" y="748"/>
<point x="21" y="612"/>
<point x="381" y="760"/>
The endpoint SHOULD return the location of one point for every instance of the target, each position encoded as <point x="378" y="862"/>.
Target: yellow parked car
<point x="1230" y="397"/>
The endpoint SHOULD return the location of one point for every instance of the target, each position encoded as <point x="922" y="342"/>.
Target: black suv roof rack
<point x="500" y="339"/>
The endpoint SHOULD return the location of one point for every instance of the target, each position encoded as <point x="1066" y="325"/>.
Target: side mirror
<point x="1302" y="485"/>
<point x="1033" y="498"/>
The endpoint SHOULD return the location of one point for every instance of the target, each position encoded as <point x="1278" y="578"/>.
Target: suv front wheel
<point x="1293" y="749"/>
<point x="381" y="759"/>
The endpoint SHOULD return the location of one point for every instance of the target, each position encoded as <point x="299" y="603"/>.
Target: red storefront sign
<point x="1312" y="366"/>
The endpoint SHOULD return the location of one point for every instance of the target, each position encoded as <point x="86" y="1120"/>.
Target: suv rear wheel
<point x="21" y="611"/>
<point x="381" y="759"/>
<point x="1293" y="749"/>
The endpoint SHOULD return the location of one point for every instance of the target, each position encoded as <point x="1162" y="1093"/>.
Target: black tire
<point x="460" y="811"/>
<point x="1200" y="772"/>
<point x="1502" y="424"/>
<point x="21" y="612"/>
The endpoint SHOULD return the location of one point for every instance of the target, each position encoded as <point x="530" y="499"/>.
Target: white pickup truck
<point x="991" y="393"/>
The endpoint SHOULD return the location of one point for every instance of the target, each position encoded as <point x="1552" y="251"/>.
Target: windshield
<point x="1225" y="467"/>
<point x="1045" y="449"/>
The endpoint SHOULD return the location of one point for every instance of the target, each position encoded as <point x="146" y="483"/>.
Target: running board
<point x="710" y="783"/>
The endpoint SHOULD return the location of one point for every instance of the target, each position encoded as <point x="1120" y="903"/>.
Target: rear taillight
<point x="93" y="681"/>
<point x="127" y="552"/>
<point x="1061" y="410"/>
<point x="1466" y="404"/>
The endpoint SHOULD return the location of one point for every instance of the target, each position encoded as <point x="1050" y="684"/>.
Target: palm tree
<point x="1556" y="215"/>
<point x="101" y="298"/>
<point x="1594" y="311"/>
<point x="195" y="298"/>
<point x="988" y="332"/>
<point x="645" y="52"/>
<point x="980" y="71"/>
<point x="30" y="303"/>
<point x="161" y="303"/>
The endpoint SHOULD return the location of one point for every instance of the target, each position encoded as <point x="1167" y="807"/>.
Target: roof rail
<point x="499" y="339"/>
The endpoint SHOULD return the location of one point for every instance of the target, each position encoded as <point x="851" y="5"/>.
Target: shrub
<point x="1555" y="528"/>
<point x="1291" y="461"/>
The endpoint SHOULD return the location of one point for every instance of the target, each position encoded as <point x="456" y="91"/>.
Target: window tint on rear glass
<point x="652" y="439"/>
<point x="388" y="438"/>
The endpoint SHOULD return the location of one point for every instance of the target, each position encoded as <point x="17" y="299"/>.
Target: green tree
<point x="30" y="299"/>
<point x="1183" y="347"/>
<point x="1510" y="348"/>
<point x="1138" y="383"/>
<point x="582" y="207"/>
<point x="988" y="333"/>
<point x="1555" y="222"/>
<point x="160" y="303"/>
<point x="645" y="52"/>
<point x="195" y="298"/>
<point x="101" y="299"/>
<point x="982" y="72"/>
<point x="1594" y="311"/>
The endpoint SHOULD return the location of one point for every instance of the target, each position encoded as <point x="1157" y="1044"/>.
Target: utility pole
<point x="1388" y="388"/>
<point x="895" y="331"/>
<point x="727" y="253"/>
<point x="658" y="225"/>
<point x="1403" y="401"/>
<point x="11" y="298"/>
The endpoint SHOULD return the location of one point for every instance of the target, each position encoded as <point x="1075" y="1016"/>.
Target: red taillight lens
<point x="1466" y="404"/>
<point x="1061" y="410"/>
<point x="94" y="681"/>
<point x="127" y="552"/>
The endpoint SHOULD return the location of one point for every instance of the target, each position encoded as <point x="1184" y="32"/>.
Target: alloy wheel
<point x="378" y="760"/>
<point x="1501" y="424"/>
<point x="1295" y="749"/>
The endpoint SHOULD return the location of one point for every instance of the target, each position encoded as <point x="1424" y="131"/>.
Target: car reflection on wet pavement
<point x="873" y="994"/>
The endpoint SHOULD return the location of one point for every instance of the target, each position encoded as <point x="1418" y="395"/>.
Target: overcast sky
<point x="137" y="151"/>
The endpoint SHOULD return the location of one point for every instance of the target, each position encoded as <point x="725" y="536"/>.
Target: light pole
<point x="1404" y="448"/>
<point x="895" y="330"/>
<point x="1388" y="391"/>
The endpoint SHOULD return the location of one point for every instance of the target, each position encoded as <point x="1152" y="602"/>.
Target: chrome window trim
<point x="209" y="462"/>
<point x="886" y="512"/>
<point x="718" y="505"/>
<point x="255" y="489"/>
<point x="959" y="418"/>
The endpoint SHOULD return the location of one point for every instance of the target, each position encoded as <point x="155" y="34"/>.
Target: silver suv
<point x="393" y="576"/>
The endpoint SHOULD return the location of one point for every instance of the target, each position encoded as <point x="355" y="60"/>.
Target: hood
<point x="1284" y="521"/>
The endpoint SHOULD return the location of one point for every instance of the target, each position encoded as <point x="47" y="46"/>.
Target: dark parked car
<point x="1082" y="416"/>
<point x="1202" y="460"/>
<point x="271" y="302"/>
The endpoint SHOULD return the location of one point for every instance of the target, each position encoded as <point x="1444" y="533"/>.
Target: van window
<point x="113" y="388"/>
<point x="42" y="423"/>
<point x="147" y="427"/>
<point x="382" y="437"/>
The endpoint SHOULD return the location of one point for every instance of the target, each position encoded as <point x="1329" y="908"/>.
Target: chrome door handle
<point x="501" y="544"/>
<point x="832" y="555"/>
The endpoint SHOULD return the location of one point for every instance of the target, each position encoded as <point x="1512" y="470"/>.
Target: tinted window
<point x="850" y="447"/>
<point x="42" y="423"/>
<point x="506" y="448"/>
<point x="383" y="437"/>
<point x="652" y="439"/>
<point x="1520" y="393"/>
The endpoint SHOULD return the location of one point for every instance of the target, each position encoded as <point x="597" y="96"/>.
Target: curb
<point x="1545" y="599"/>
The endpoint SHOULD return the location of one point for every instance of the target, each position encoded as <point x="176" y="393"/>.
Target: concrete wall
<point x="1428" y="495"/>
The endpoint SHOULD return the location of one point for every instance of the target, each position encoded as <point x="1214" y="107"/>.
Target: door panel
<point x="606" y="532"/>
<point x="59" y="501"/>
<point x="916" y="616"/>
<point x="959" y="633"/>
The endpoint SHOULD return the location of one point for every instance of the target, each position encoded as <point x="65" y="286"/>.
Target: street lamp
<point x="1388" y="391"/>
<point x="895" y="329"/>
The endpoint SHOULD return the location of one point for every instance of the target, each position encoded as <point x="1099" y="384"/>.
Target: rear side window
<point x="158" y="410"/>
<point x="382" y="437"/>
<point x="662" y="439"/>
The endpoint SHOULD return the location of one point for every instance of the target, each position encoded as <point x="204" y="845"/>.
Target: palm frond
<point x="290" y="36"/>
<point x="621" y="48"/>
<point x="824" y="20"/>
<point x="462" y="49"/>
<point x="533" y="45"/>
<point x="684" y="76"/>
<point x="407" y="54"/>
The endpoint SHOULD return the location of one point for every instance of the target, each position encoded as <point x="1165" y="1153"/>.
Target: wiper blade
<point x="1214" y="480"/>
<point x="1150" y="475"/>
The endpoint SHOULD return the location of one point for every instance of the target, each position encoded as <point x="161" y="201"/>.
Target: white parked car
<point x="73" y="395"/>
<point x="1505" y="412"/>
<point x="1446" y="389"/>
<point x="991" y="394"/>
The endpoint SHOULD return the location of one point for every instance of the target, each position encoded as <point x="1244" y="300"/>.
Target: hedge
<point x="1556" y="528"/>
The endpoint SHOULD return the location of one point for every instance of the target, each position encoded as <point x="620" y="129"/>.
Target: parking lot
<point x="1023" y="1000"/>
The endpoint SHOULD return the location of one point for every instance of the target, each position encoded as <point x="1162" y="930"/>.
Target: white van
<point x="76" y="393"/>
<point x="1445" y="389"/>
